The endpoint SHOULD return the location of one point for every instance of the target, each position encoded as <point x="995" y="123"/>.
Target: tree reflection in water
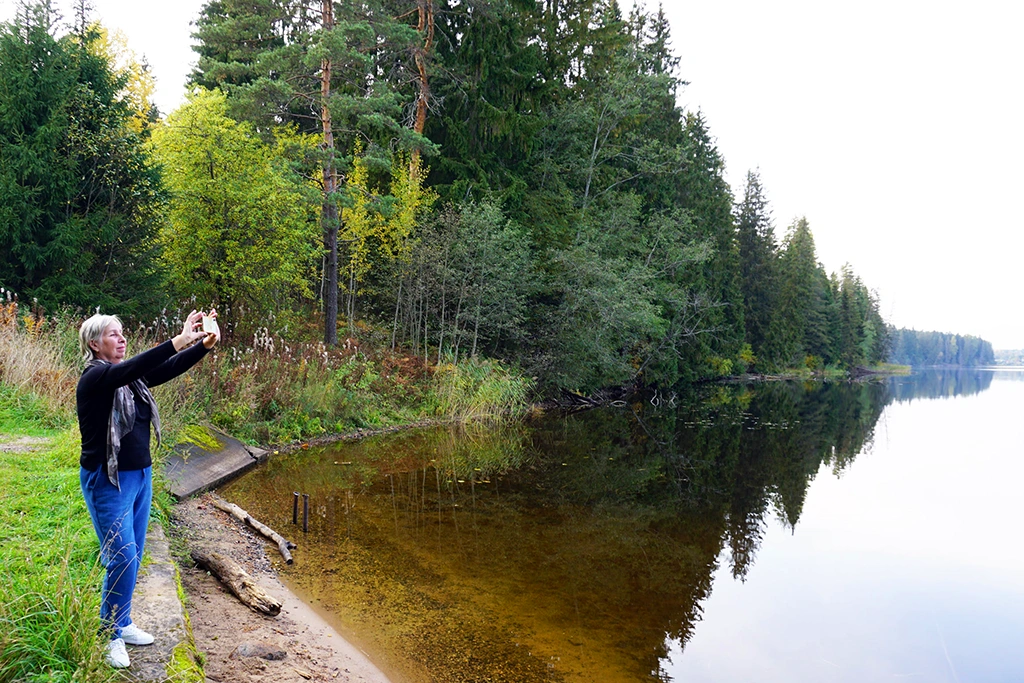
<point x="572" y="547"/>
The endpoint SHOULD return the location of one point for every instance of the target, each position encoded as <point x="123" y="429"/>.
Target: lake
<point x="783" y="531"/>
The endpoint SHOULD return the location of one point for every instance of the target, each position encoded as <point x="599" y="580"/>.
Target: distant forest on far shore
<point x="1014" y="357"/>
<point x="911" y="347"/>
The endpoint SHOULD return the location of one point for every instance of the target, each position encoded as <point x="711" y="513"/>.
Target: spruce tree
<point x="801" y="306"/>
<point x="78" y="193"/>
<point x="758" y="270"/>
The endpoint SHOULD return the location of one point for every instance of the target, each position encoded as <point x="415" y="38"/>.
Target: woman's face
<point x="110" y="346"/>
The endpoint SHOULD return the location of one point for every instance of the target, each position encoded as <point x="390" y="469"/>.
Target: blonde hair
<point x="91" y="330"/>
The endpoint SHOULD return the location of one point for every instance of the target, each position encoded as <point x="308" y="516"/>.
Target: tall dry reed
<point x="34" y="358"/>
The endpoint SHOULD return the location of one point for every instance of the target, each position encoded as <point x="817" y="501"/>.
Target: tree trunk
<point x="398" y="303"/>
<point x="329" y="210"/>
<point x="238" y="581"/>
<point x="425" y="26"/>
<point x="244" y="517"/>
<point x="351" y="313"/>
<point x="456" y="332"/>
<point x="480" y="293"/>
<point x="426" y="331"/>
<point x="414" y="321"/>
<point x="476" y="327"/>
<point x="329" y="213"/>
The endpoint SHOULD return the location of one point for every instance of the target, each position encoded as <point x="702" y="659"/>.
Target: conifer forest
<point x="509" y="179"/>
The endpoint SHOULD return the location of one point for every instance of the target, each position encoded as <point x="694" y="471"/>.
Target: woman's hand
<point x="212" y="337"/>
<point x="190" y="331"/>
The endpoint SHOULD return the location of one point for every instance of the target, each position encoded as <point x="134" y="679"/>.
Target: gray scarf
<point x="122" y="418"/>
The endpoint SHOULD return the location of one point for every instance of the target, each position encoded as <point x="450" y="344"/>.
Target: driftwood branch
<point x="238" y="581"/>
<point x="244" y="517"/>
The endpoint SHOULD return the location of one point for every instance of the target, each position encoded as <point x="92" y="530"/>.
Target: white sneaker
<point x="117" y="656"/>
<point x="133" y="635"/>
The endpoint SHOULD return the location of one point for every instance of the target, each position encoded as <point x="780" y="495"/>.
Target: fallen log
<point x="238" y="581"/>
<point x="244" y="517"/>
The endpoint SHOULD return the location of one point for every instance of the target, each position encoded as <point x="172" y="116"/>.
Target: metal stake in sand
<point x="295" y="507"/>
<point x="305" y="512"/>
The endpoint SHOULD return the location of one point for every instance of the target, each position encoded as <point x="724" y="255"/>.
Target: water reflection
<point x="1007" y="374"/>
<point x="941" y="383"/>
<point x="578" y="547"/>
<point x="901" y="568"/>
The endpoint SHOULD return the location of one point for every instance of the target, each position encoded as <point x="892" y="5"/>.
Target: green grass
<point x="186" y="665"/>
<point x="284" y="394"/>
<point x="49" y="598"/>
<point x="477" y="389"/>
<point x="891" y="369"/>
<point x="27" y="414"/>
<point x="264" y="389"/>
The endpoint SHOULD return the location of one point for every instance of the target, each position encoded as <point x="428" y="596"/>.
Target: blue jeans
<point x="120" y="519"/>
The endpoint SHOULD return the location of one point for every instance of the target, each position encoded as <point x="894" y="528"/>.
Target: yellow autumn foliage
<point x="376" y="236"/>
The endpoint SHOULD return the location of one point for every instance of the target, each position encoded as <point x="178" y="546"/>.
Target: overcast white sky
<point x="896" y="127"/>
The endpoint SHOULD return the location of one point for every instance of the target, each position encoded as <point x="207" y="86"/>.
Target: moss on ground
<point x="186" y="665"/>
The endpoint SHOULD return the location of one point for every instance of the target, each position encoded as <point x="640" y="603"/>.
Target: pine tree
<point x="332" y="70"/>
<point x="490" y="79"/>
<point x="851" y="319"/>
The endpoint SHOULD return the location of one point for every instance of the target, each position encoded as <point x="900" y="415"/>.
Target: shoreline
<point x="345" y="656"/>
<point x="355" y="435"/>
<point x="222" y="625"/>
<point x="296" y="646"/>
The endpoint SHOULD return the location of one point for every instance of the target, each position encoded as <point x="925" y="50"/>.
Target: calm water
<point x="778" y="532"/>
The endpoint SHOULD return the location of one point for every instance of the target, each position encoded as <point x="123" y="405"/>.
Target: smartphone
<point x="210" y="324"/>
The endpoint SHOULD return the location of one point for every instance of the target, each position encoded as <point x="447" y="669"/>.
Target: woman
<point x="115" y="411"/>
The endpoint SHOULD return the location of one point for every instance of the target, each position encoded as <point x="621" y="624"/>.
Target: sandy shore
<point x="241" y="645"/>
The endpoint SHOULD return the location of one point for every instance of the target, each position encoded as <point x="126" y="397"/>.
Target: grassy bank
<point x="263" y="388"/>
<point x="890" y="369"/>
<point x="49" y="599"/>
<point x="827" y="373"/>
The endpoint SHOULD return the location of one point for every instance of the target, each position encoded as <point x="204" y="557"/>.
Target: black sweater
<point x="95" y="399"/>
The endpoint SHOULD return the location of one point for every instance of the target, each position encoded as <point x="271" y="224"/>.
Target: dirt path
<point x="22" y="444"/>
<point x="245" y="647"/>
